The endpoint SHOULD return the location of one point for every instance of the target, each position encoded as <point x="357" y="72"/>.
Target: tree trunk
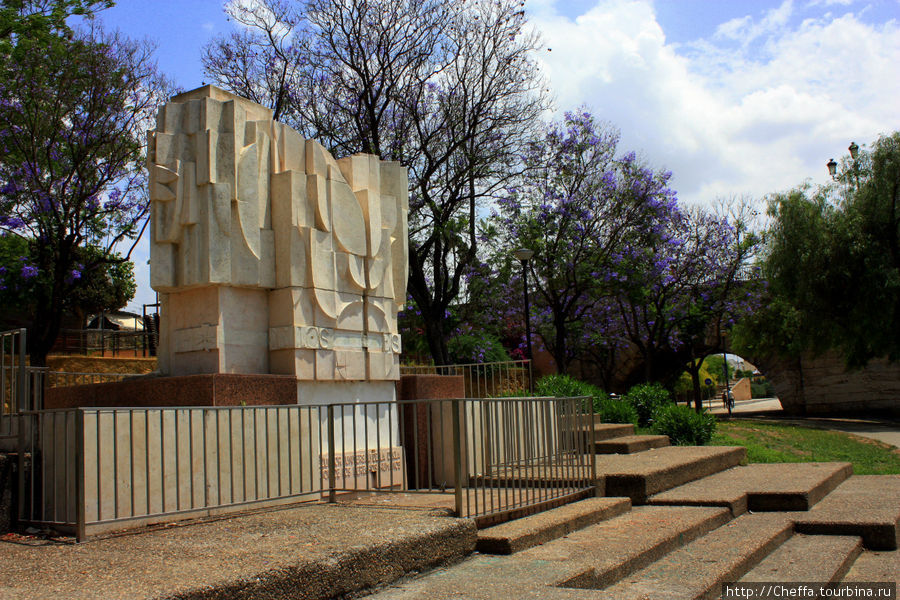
<point x="433" y="322"/>
<point x="559" y="354"/>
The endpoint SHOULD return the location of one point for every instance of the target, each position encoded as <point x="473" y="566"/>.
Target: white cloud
<point x="758" y="107"/>
<point x="207" y="26"/>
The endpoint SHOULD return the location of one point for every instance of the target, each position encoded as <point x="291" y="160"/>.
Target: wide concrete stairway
<point x="678" y="522"/>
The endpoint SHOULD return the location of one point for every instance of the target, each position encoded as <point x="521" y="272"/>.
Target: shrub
<point x="615" y="411"/>
<point x="564" y="386"/>
<point x="683" y="425"/>
<point x="647" y="398"/>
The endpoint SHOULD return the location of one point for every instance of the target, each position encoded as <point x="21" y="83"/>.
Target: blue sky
<point x="738" y="98"/>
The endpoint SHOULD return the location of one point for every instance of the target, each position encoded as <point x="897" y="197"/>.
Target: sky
<point x="738" y="98"/>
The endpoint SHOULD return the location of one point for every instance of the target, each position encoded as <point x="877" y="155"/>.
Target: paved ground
<point x="770" y="408"/>
<point x="305" y="549"/>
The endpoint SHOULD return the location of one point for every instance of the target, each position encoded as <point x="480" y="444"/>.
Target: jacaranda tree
<point x="583" y="210"/>
<point x="74" y="107"/>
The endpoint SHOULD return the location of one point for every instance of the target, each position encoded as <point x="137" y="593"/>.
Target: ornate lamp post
<point x="832" y="165"/>
<point x="524" y="255"/>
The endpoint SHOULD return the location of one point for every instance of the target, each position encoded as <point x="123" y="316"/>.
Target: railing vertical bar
<point x="177" y="461"/>
<point x="204" y="422"/>
<point x="429" y="445"/>
<point x="244" y="460"/>
<point x="231" y="465"/>
<point x="290" y="450"/>
<point x="508" y="474"/>
<point x="309" y="429"/>
<point x="115" y="443"/>
<point x="457" y="458"/>
<point x="356" y="448"/>
<point x="162" y="459"/>
<point x="391" y="444"/>
<point x="132" y="460"/>
<point x="80" y="517"/>
<point x="366" y="427"/>
<point x="517" y="428"/>
<point x="147" y="459"/>
<point x="331" y="451"/>
<point x="378" y="455"/>
<point x="278" y="449"/>
<point x="255" y="455"/>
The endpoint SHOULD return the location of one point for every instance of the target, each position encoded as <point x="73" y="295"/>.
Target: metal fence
<point x="106" y="342"/>
<point x="96" y="469"/>
<point x="21" y="386"/>
<point x="484" y="380"/>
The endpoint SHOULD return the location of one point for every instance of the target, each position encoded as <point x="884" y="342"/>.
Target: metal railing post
<point x="457" y="457"/>
<point x="331" y="458"/>
<point x="21" y="388"/>
<point x="80" y="527"/>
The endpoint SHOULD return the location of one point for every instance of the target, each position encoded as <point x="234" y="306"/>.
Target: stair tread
<point x="876" y="566"/>
<point x="606" y="431"/>
<point x="641" y="475"/>
<point x="806" y="558"/>
<point x="630" y="443"/>
<point x="619" y="546"/>
<point x="697" y="569"/>
<point x="516" y="535"/>
<point x="865" y="505"/>
<point x="758" y="487"/>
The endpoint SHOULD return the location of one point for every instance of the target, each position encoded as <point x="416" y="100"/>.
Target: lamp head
<point x="523" y="254"/>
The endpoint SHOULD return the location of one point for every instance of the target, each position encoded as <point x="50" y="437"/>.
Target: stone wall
<point x="822" y="385"/>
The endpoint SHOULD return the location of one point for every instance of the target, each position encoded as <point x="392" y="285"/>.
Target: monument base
<point x="221" y="389"/>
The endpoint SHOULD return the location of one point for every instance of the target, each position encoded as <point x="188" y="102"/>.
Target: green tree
<point x="75" y="107"/>
<point x="833" y="265"/>
<point x="108" y="286"/>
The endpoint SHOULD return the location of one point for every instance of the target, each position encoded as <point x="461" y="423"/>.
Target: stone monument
<point x="270" y="256"/>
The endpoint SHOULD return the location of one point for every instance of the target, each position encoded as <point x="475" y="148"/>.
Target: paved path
<point x="313" y="550"/>
<point x="770" y="408"/>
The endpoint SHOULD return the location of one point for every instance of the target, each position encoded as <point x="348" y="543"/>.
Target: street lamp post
<point x="524" y="255"/>
<point x="832" y="165"/>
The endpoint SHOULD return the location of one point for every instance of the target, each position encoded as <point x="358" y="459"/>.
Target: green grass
<point x="773" y="442"/>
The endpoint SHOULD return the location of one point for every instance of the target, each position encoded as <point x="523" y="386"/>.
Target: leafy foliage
<point x="647" y="398"/>
<point x="108" y="286"/>
<point x="565" y="386"/>
<point x="469" y="346"/>
<point x="833" y="265"/>
<point x="683" y="425"/>
<point x="615" y="411"/>
<point x="74" y="109"/>
<point x="582" y="210"/>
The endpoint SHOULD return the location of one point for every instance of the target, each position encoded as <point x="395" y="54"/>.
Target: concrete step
<point x="630" y="444"/>
<point x="608" y="431"/>
<point x="805" y="558"/>
<point x="540" y="528"/>
<point x="594" y="556"/>
<point x="761" y="487"/>
<point x="604" y="553"/>
<point x="698" y="569"/>
<point x="639" y="476"/>
<point x="876" y="566"/>
<point x="864" y="505"/>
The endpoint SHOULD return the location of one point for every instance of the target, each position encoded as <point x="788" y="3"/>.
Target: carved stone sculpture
<point x="271" y="256"/>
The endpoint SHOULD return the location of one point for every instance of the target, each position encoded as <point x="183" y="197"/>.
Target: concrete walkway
<point x="886" y="431"/>
<point x="310" y="551"/>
